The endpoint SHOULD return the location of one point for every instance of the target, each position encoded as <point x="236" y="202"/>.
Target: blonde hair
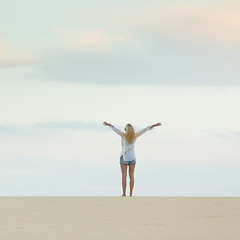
<point x="130" y="134"/>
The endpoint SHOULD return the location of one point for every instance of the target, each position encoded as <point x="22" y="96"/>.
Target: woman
<point x="128" y="153"/>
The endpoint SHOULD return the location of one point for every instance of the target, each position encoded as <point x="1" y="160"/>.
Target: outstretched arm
<point x="119" y="132"/>
<point x="141" y="132"/>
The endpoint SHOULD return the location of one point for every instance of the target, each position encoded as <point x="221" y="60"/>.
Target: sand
<point x="165" y="218"/>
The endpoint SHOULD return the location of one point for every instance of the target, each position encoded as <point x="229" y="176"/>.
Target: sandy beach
<point x="165" y="218"/>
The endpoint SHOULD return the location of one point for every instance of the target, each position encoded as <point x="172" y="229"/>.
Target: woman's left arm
<point x="141" y="132"/>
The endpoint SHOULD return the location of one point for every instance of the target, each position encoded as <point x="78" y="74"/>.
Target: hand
<point x="106" y="124"/>
<point x="156" y="124"/>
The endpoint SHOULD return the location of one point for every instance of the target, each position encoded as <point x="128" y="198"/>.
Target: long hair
<point x="130" y="134"/>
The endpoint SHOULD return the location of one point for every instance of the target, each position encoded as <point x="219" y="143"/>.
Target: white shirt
<point x="128" y="150"/>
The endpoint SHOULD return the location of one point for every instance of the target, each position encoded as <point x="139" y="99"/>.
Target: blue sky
<point x="65" y="67"/>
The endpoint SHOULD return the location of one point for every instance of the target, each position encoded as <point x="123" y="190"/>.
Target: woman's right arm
<point x="119" y="132"/>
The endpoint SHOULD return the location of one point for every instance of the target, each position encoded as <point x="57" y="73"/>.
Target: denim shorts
<point x="127" y="162"/>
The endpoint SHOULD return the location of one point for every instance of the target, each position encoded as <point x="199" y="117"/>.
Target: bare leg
<point x="131" y="175"/>
<point x="124" y="178"/>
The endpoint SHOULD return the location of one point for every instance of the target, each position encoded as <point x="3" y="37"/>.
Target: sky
<point x="68" y="66"/>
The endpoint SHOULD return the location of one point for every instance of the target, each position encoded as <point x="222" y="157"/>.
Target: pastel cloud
<point x="143" y="45"/>
<point x="200" y="23"/>
<point x="203" y="24"/>
<point x="12" y="57"/>
<point x="97" y="40"/>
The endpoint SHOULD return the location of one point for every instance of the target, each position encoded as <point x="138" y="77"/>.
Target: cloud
<point x="83" y="67"/>
<point x="13" y="57"/>
<point x="202" y="24"/>
<point x="193" y="44"/>
<point x="52" y="126"/>
<point x="7" y="130"/>
<point x="235" y="134"/>
<point x="96" y="40"/>
<point x="224" y="135"/>
<point x="189" y="45"/>
<point x="69" y="125"/>
<point x="163" y="62"/>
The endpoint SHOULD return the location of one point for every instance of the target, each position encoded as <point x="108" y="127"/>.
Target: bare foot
<point x="123" y="195"/>
<point x="130" y="195"/>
